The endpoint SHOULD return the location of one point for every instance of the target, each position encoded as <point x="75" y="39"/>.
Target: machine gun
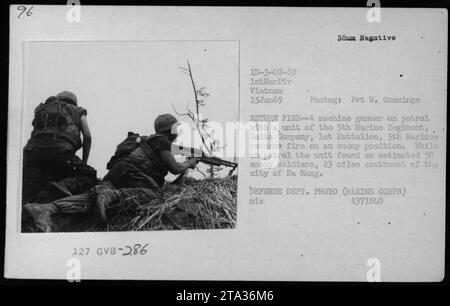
<point x="202" y="157"/>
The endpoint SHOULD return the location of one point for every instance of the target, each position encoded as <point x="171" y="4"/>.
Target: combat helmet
<point x="164" y="123"/>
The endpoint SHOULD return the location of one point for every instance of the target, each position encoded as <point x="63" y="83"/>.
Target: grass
<point x="193" y="204"/>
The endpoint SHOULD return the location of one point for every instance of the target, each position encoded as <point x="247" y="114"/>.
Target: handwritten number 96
<point x="24" y="10"/>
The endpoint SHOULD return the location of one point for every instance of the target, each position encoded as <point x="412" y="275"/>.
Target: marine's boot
<point x="70" y="186"/>
<point x="41" y="215"/>
<point x="60" y="189"/>
<point x="105" y="196"/>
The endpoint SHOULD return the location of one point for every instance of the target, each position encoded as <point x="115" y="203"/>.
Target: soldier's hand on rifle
<point x="193" y="161"/>
<point x="175" y="167"/>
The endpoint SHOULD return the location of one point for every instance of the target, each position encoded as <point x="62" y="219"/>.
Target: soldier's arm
<point x="86" y="138"/>
<point x="174" y="166"/>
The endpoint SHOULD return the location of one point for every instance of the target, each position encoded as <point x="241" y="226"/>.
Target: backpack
<point x="52" y="117"/>
<point x="127" y="146"/>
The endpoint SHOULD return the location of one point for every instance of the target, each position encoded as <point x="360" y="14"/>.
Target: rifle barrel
<point x="210" y="160"/>
<point x="217" y="162"/>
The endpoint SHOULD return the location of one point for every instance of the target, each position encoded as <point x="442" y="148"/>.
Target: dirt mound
<point x="193" y="204"/>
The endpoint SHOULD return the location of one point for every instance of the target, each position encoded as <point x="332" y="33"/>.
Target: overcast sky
<point x="124" y="86"/>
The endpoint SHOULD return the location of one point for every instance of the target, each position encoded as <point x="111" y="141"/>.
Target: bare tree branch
<point x="196" y="119"/>
<point x="193" y="86"/>
<point x="181" y="114"/>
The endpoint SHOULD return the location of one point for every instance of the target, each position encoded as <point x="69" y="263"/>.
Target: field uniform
<point x="137" y="177"/>
<point x="49" y="155"/>
<point x="136" y="174"/>
<point x="142" y="167"/>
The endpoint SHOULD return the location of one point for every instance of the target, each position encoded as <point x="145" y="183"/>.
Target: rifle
<point x="202" y="157"/>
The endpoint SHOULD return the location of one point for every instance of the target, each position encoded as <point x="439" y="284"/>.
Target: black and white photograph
<point x="226" y="144"/>
<point x="100" y="120"/>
